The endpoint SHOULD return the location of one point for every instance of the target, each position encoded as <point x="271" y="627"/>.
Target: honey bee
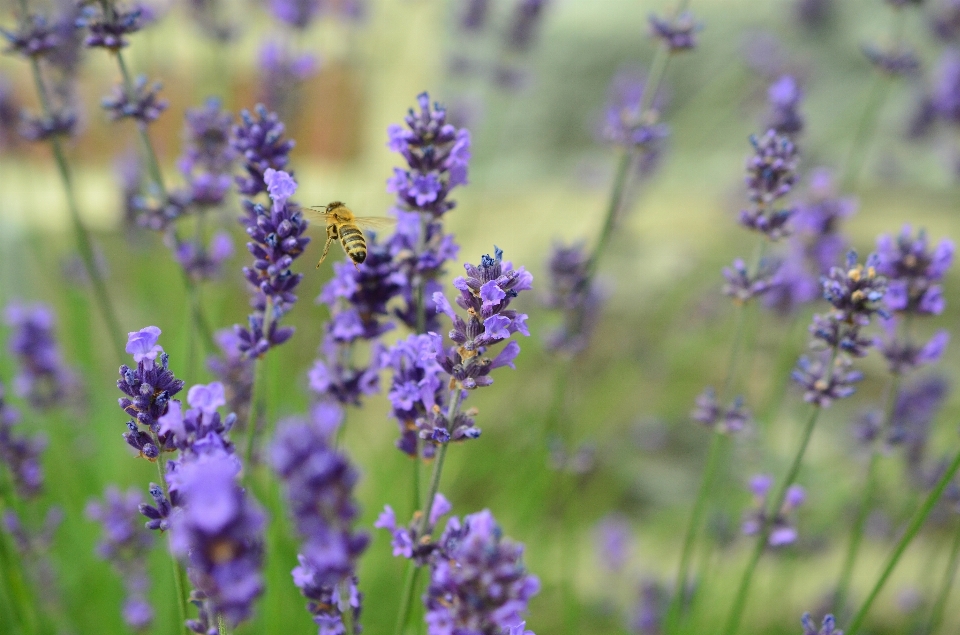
<point x="343" y="225"/>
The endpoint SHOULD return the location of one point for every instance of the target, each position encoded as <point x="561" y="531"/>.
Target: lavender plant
<point x="44" y="379"/>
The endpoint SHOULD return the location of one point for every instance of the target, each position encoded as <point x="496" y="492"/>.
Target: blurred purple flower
<point x="829" y="626"/>
<point x="525" y="23"/>
<point x="614" y="539"/>
<point x="219" y="534"/>
<point x="782" y="529"/>
<point x="201" y="262"/>
<point x="20" y="454"/>
<point x="108" y="25"/>
<point x="677" y="34"/>
<point x="573" y="293"/>
<point x="650" y="609"/>
<point x="708" y="411"/>
<point x="892" y="62"/>
<point x="319" y="483"/>
<point x="43" y="378"/>
<point x="743" y="286"/>
<point x="914" y="271"/>
<point x="125" y="545"/>
<point x="784" y="96"/>
<point x="282" y="71"/>
<point x="234" y="371"/>
<point x="626" y="126"/>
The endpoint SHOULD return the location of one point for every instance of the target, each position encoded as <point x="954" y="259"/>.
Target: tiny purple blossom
<point x="143" y="345"/>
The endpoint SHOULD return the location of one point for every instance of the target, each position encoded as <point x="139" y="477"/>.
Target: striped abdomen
<point x="353" y="243"/>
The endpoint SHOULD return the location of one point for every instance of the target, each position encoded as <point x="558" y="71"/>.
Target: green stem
<point x="256" y="396"/>
<point x="178" y="574"/>
<point x="949" y="575"/>
<point x="693" y="528"/>
<point x="613" y="207"/>
<point x="409" y="584"/>
<point x="915" y="524"/>
<point x="23" y="603"/>
<point x="863" y="510"/>
<point x="82" y="235"/>
<point x="406" y="598"/>
<point x="740" y="600"/>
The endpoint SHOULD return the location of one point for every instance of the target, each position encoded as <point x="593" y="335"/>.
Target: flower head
<point x="20" y="454"/>
<point x="677" y="34"/>
<point x="259" y="140"/>
<point x="829" y="626"/>
<point x="784" y="97"/>
<point x="914" y="271"/>
<point x="43" y="379"/>
<point x="572" y="292"/>
<point x="782" y="530"/>
<point x="772" y="170"/>
<point x="141" y="103"/>
<point x="108" y="27"/>
<point x="526" y="20"/>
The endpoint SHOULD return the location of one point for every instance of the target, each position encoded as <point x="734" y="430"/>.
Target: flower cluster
<point x="37" y="36"/>
<point x="43" y="379"/>
<point x="892" y="62"/>
<point x="782" y="530"/>
<point x="855" y="292"/>
<point x="677" y="34"/>
<point x="478" y="583"/>
<point x="20" y="454"/>
<point x="743" y="286"/>
<point x="815" y="245"/>
<point x="208" y="156"/>
<point x="277" y="238"/>
<point x="148" y="387"/>
<point x="526" y="20"/>
<point x="914" y="411"/>
<point x="829" y="626"/>
<point x="410" y="542"/>
<point x="771" y="174"/>
<point x="258" y="140"/>
<point x="218" y="532"/>
<point x="437" y="155"/>
<point x="914" y="271"/>
<point x="708" y="411"/>
<point x="125" y="545"/>
<point x="140" y="103"/>
<point x="573" y="293"/>
<point x="784" y="96"/>
<point x="626" y="124"/>
<point x="282" y="71"/>
<point x="108" y="27"/>
<point x="234" y="371"/>
<point x="319" y="483"/>
<point x="357" y="297"/>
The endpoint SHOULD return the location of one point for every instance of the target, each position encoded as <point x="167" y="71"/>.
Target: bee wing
<point x="374" y="222"/>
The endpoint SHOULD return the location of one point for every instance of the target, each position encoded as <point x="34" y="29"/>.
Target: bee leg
<point x="331" y="236"/>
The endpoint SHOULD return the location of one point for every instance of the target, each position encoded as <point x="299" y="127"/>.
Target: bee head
<point x="334" y="205"/>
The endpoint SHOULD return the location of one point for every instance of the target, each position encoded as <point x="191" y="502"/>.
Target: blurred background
<point x="541" y="172"/>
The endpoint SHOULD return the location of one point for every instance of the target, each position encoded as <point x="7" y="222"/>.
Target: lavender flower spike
<point x="478" y="583"/>
<point x="44" y="380"/>
<point x="20" y="454"/>
<point x="829" y="626"/>
<point x="319" y="485"/>
<point x="219" y="534"/>
<point x="259" y="140"/>
<point x="126" y="545"/>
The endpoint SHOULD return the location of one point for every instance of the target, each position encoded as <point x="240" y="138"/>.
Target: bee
<point x="342" y="225"/>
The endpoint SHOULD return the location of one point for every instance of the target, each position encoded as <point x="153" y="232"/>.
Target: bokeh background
<point x="540" y="173"/>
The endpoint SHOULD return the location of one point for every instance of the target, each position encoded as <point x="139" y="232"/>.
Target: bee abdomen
<point x="353" y="243"/>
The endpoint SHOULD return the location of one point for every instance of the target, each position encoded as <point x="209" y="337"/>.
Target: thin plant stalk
<point x="860" y="522"/>
<point x="912" y="529"/>
<point x="178" y="573"/>
<point x="14" y="584"/>
<point x="406" y="598"/>
<point x="199" y="321"/>
<point x="257" y="392"/>
<point x="949" y="575"/>
<point x="740" y="600"/>
<point x="81" y="233"/>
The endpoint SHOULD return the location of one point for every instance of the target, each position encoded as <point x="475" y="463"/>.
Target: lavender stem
<point x="407" y="598"/>
<point x="740" y="600"/>
<point x="915" y="524"/>
<point x="256" y="395"/>
<point x="949" y="575"/>
<point x="156" y="175"/>
<point x="84" y="244"/>
<point x="860" y="522"/>
<point x="178" y="574"/>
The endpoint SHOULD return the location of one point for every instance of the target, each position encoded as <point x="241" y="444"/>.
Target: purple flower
<point x="708" y="411"/>
<point x="916" y="407"/>
<point x="650" y="609"/>
<point x="319" y="483"/>
<point x="36" y="37"/>
<point x="61" y="123"/>
<point x="108" y="26"/>
<point x="208" y="156"/>
<point x="626" y="126"/>
<point x="20" y="454"/>
<point x="772" y="170"/>
<point x="613" y="541"/>
<point x="149" y="388"/>
<point x="743" y="286"/>
<point x="141" y="103"/>
<point x="782" y="530"/>
<point x="784" y="96"/>
<point x="822" y="382"/>
<point x="201" y="262"/>
<point x="903" y="354"/>
<point x="829" y="626"/>
<point x="914" y="271"/>
<point x="259" y="142"/>
<point x="43" y="379"/>
<point x="892" y="62"/>
<point x="277" y="240"/>
<point x="472" y="16"/>
<point x="218" y="532"/>
<point x="125" y="545"/>
<point x="296" y="13"/>
<point x="525" y="21"/>
<point x="234" y="371"/>
<point x="856" y="290"/>
<point x="282" y="71"/>
<point x="817" y="219"/>
<point x="478" y="583"/>
<point x="676" y="34"/>
<point x="573" y="293"/>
